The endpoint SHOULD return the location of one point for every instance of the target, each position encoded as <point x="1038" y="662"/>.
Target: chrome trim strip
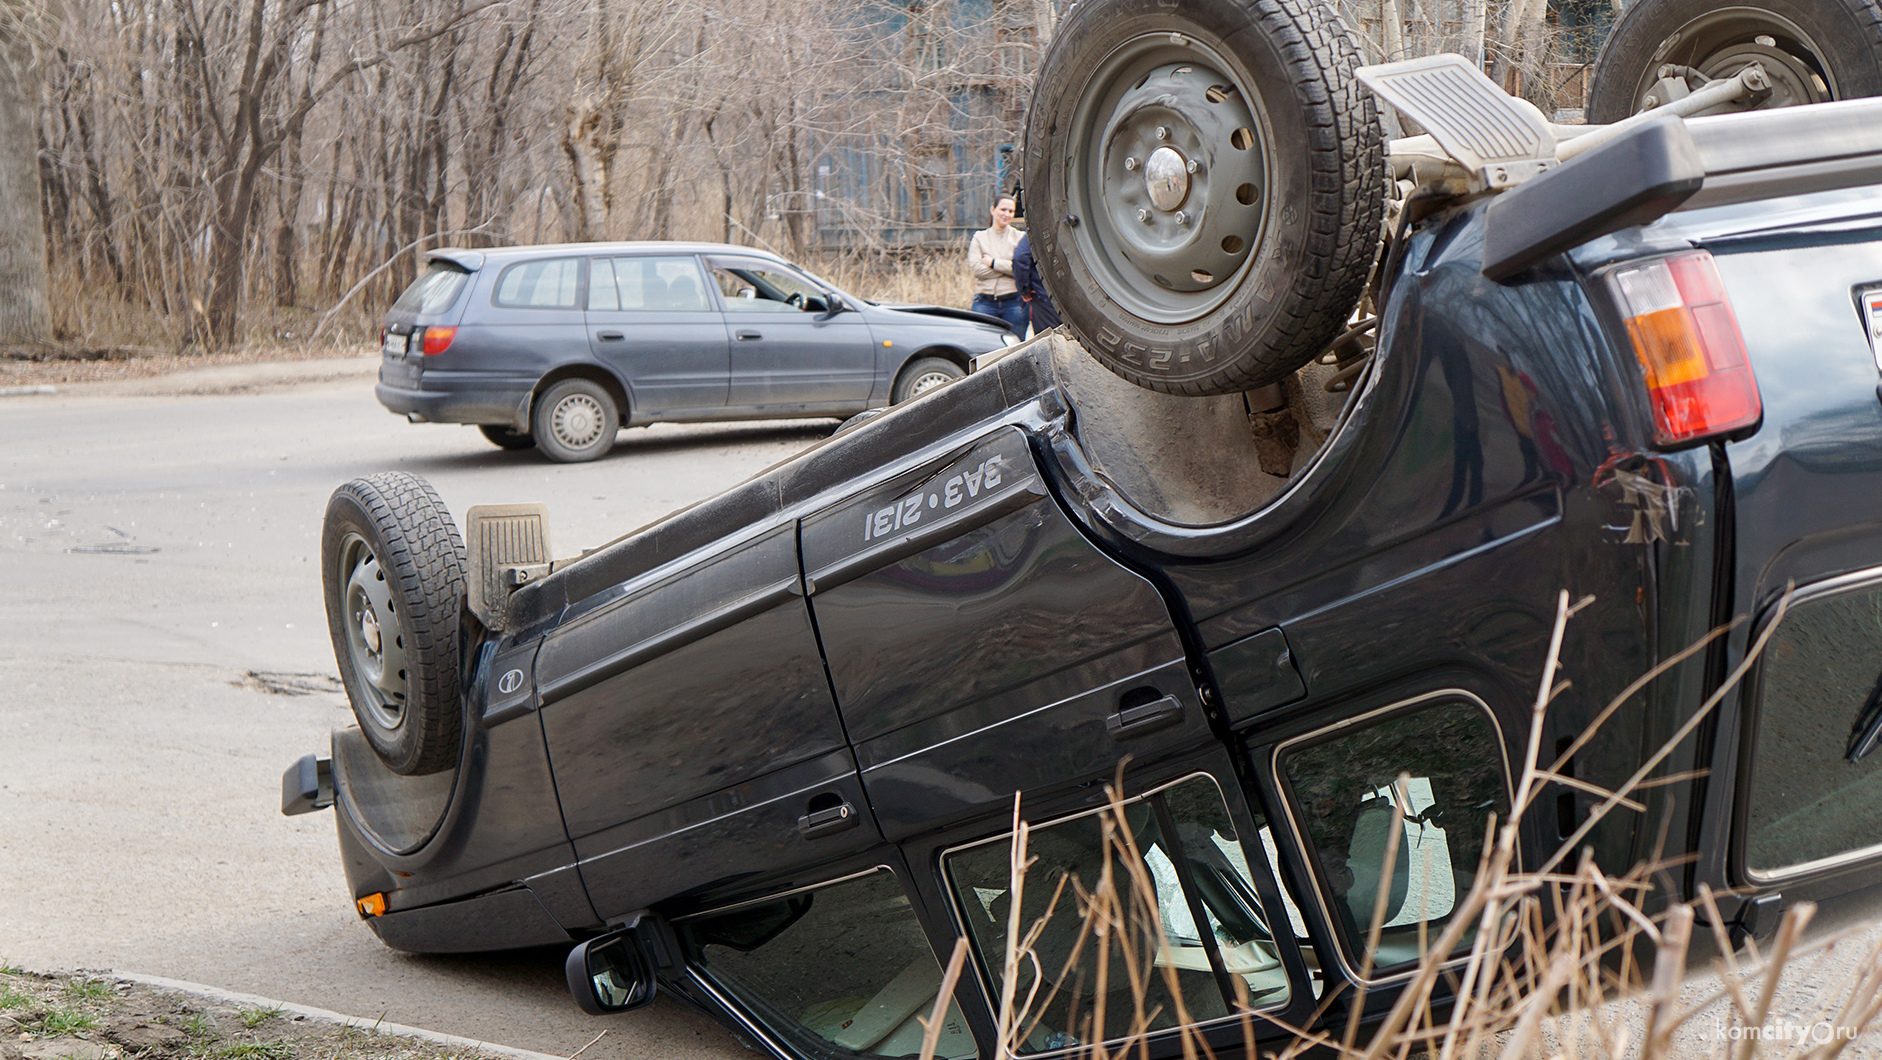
<point x="1300" y="838"/>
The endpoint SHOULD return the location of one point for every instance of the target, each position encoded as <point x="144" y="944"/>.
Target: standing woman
<point x="990" y="256"/>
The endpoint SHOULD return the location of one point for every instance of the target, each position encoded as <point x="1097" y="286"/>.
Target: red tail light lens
<point x="1688" y="344"/>
<point x="438" y="340"/>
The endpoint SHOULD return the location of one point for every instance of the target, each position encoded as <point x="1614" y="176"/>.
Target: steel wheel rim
<point x="375" y="647"/>
<point x="576" y="421"/>
<point x="1721" y="43"/>
<point x="927" y="381"/>
<point x="1168" y="169"/>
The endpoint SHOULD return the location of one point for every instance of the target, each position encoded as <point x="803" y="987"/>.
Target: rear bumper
<point x="457" y="399"/>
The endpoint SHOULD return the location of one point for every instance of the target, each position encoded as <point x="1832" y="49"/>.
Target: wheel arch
<point x="961" y="358"/>
<point x="618" y="390"/>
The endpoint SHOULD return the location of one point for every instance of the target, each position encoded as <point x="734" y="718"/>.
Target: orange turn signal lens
<point x="438" y="340"/>
<point x="372" y="905"/>
<point x="1689" y="346"/>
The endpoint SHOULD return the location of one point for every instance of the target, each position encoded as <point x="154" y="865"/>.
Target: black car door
<point x="980" y="646"/>
<point x="691" y="729"/>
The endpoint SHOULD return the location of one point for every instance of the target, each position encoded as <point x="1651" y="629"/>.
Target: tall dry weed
<point x="1563" y="961"/>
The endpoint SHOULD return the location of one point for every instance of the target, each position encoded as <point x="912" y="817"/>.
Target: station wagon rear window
<point x="1183" y="858"/>
<point x="644" y="284"/>
<point x="434" y="290"/>
<point x="552" y="284"/>
<point x="1814" y="797"/>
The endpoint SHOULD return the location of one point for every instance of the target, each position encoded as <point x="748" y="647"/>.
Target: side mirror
<point x="613" y="973"/>
<point x="834" y="305"/>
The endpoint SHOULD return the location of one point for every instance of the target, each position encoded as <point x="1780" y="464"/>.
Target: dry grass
<point x="930" y="279"/>
<point x="1564" y="961"/>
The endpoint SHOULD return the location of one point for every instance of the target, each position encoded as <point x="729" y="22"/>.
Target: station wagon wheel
<point x="924" y="375"/>
<point x="575" y="420"/>
<point x="393" y="568"/>
<point x="1813" y="51"/>
<point x="1205" y="187"/>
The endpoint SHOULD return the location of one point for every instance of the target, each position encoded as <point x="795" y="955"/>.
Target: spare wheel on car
<point x="1205" y="186"/>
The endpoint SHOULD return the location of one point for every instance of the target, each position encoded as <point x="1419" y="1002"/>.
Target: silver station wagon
<point x="556" y="347"/>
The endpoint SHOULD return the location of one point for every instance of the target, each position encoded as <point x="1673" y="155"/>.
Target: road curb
<point x="376" y="1026"/>
<point x="22" y="391"/>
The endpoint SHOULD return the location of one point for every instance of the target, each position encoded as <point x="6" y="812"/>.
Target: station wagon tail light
<point x="1688" y="344"/>
<point x="438" y="340"/>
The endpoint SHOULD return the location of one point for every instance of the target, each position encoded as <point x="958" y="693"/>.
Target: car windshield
<point x="434" y="290"/>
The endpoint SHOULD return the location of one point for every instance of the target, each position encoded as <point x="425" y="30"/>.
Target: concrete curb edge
<point x="378" y="1026"/>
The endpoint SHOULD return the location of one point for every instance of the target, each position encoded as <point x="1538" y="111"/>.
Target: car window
<point x="757" y="287"/>
<point x="838" y="970"/>
<point x="547" y="284"/>
<point x="1436" y="773"/>
<point x="1188" y="863"/>
<point x="433" y="291"/>
<point x="646" y="284"/>
<point x="1815" y="792"/>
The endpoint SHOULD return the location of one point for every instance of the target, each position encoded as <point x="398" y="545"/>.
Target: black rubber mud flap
<point x="1812" y="50"/>
<point x="1205" y="186"/>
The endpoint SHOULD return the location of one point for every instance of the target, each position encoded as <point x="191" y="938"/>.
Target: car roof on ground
<point x="476" y="258"/>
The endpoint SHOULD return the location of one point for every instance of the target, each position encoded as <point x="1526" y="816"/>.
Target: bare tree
<point x="24" y="316"/>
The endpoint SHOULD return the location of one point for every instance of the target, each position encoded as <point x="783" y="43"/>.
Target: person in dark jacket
<point x="1032" y="289"/>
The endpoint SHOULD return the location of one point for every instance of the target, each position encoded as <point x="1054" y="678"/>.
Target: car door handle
<point x="609" y="336"/>
<point x="1131" y="722"/>
<point x="820" y="823"/>
<point x="748" y="335"/>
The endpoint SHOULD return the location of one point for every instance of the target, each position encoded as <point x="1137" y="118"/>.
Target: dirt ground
<point x="57" y="365"/>
<point x="80" y="1017"/>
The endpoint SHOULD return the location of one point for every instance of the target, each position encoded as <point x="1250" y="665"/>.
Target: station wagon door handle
<point x="1136" y="721"/>
<point x="748" y="334"/>
<point x="610" y="336"/>
<point x="821" y="823"/>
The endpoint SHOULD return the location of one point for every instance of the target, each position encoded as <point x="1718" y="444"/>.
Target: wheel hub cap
<point x="1183" y="189"/>
<point x="1166" y="178"/>
<point x="378" y="653"/>
<point x="369" y="631"/>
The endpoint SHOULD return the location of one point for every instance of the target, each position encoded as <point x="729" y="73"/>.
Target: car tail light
<point x="1688" y="344"/>
<point x="438" y="340"/>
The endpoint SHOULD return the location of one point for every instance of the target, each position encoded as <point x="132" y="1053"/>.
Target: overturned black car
<point x="1299" y="603"/>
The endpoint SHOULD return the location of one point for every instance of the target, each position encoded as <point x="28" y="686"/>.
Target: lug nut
<point x="1162" y="133"/>
<point x="1130" y="163"/>
<point x="1182" y="218"/>
<point x="1193" y="166"/>
<point x="1143" y="215"/>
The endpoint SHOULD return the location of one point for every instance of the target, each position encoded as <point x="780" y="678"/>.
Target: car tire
<point x="507" y="437"/>
<point x="1817" y="50"/>
<point x="924" y="375"/>
<point x="575" y="420"/>
<point x="1232" y="274"/>
<point x="393" y="567"/>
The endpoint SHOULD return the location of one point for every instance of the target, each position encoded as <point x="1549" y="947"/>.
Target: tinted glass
<point x="1347" y="797"/>
<point x="540" y="284"/>
<point x="1184" y="859"/>
<point x="640" y="284"/>
<point x="1820" y="703"/>
<point x="839" y="971"/>
<point x="434" y="290"/>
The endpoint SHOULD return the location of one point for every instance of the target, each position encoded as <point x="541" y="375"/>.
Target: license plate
<point x="395" y="345"/>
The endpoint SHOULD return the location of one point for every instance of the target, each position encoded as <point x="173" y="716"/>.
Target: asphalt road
<point x="140" y="765"/>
